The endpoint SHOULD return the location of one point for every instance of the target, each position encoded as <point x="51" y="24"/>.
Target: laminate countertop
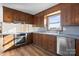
<point x="59" y="34"/>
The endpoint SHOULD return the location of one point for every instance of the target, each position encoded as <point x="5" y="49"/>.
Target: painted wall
<point x="1" y="13"/>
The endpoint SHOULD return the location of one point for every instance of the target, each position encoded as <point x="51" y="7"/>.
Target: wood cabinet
<point x="7" y="15"/>
<point x="75" y="9"/>
<point x="77" y="47"/>
<point x="52" y="43"/>
<point x="14" y="16"/>
<point x="22" y="17"/>
<point x="47" y="42"/>
<point x="35" y="38"/>
<point x="27" y="19"/>
<point x="39" y="20"/>
<point x="70" y="14"/>
<point x="29" y="38"/>
<point x="8" y="41"/>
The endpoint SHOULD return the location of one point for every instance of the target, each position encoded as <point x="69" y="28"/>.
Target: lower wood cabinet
<point x="35" y="38"/>
<point x="44" y="41"/>
<point x="77" y="47"/>
<point x="8" y="41"/>
<point x="47" y="42"/>
<point x="29" y="38"/>
<point x="52" y="43"/>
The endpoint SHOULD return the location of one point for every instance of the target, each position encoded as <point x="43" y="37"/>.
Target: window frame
<point x="51" y="14"/>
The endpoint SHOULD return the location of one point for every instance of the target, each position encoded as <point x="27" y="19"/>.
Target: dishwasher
<point x="65" y="46"/>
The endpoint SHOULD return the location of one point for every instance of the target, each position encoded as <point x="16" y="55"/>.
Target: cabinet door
<point x="30" y="19"/>
<point x="27" y="19"/>
<point x="7" y="15"/>
<point x="39" y="40"/>
<point x="35" y="38"/>
<point x="70" y="14"/>
<point x="39" y="21"/>
<point x="8" y="41"/>
<point x="66" y="13"/>
<point x="29" y="38"/>
<point x="77" y="47"/>
<point x="75" y="13"/>
<point x="45" y="41"/>
<point x="52" y="43"/>
<point x="22" y="17"/>
<point x="16" y="16"/>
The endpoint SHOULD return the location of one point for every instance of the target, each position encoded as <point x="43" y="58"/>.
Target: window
<point x="54" y="22"/>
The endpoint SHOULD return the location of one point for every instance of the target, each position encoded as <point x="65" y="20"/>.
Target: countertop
<point x="56" y="34"/>
<point x="59" y="34"/>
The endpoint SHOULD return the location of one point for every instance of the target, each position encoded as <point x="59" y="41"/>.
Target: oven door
<point x="19" y="39"/>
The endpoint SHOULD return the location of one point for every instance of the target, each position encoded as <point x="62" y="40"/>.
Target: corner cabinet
<point x="39" y="20"/>
<point x="70" y="14"/>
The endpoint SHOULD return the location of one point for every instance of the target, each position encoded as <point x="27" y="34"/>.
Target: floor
<point x="27" y="50"/>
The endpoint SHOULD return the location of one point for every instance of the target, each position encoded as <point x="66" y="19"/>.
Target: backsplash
<point x="11" y="28"/>
<point x="38" y="29"/>
<point x="71" y="30"/>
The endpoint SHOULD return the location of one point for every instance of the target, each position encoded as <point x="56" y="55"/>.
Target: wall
<point x="1" y="13"/>
<point x="39" y="19"/>
<point x="11" y="28"/>
<point x="74" y="30"/>
<point x="1" y="20"/>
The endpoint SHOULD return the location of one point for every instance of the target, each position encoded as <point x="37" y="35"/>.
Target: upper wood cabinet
<point x="11" y="15"/>
<point x="16" y="16"/>
<point x="70" y="14"/>
<point x="22" y="17"/>
<point x="39" y="20"/>
<point x="7" y="15"/>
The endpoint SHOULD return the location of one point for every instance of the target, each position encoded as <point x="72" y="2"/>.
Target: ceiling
<point x="31" y="8"/>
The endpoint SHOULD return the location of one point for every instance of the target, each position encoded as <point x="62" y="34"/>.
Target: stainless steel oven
<point x="20" y="39"/>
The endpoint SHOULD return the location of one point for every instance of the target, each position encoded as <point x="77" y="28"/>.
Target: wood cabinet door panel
<point x="35" y="38"/>
<point x="75" y="13"/>
<point x="7" y="15"/>
<point x="45" y="42"/>
<point x="8" y="41"/>
<point x="29" y="38"/>
<point x="70" y="14"/>
<point x="77" y="47"/>
<point x="66" y="14"/>
<point x="52" y="43"/>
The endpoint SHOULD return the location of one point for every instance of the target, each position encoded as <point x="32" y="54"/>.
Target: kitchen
<point x="51" y="31"/>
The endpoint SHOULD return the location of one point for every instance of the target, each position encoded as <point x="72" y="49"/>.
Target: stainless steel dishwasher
<point x="65" y="46"/>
